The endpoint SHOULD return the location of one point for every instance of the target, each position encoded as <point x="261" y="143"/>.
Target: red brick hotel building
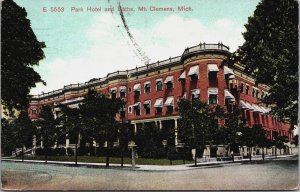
<point x="152" y="91"/>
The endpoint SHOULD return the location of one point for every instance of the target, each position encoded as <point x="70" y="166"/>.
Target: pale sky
<point x="85" y="45"/>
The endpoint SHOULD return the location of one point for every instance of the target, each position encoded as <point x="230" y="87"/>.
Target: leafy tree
<point x="47" y="129"/>
<point x="71" y="121"/>
<point x="232" y="130"/>
<point x="197" y="125"/>
<point x="20" y="50"/>
<point x="260" y="138"/>
<point x="24" y="131"/>
<point x="279" y="142"/>
<point x="270" y="53"/>
<point x="8" y="136"/>
<point x="100" y="112"/>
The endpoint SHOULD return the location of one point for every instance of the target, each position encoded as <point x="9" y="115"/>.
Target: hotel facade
<point x="153" y="90"/>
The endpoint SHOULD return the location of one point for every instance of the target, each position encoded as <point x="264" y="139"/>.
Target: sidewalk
<point x="150" y="167"/>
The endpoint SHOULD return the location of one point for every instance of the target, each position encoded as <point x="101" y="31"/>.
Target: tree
<point x="279" y="142"/>
<point x="197" y="125"/>
<point x="296" y="140"/>
<point x="71" y="121"/>
<point x="100" y="112"/>
<point x="24" y="131"/>
<point x="260" y="138"/>
<point x="47" y="129"/>
<point x="232" y="130"/>
<point x="8" y="136"/>
<point x="20" y="50"/>
<point x="270" y="54"/>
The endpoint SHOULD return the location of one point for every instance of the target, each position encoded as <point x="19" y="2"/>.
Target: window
<point x="242" y="87"/>
<point x="113" y="93"/>
<point x="33" y="111"/>
<point x="247" y="89"/>
<point x="257" y="94"/>
<point x="194" y="73"/>
<point x="213" y="99"/>
<point x="158" y="106"/>
<point x="130" y="109"/>
<point x="147" y="87"/>
<point x="122" y="91"/>
<point x="253" y="92"/>
<point x="213" y="96"/>
<point x="147" y="107"/>
<point x="195" y="93"/>
<point x="137" y="89"/>
<point x="262" y="95"/>
<point x="137" y="109"/>
<point x="158" y="110"/>
<point x="159" y="85"/>
<point x="169" y="104"/>
<point x="169" y="82"/>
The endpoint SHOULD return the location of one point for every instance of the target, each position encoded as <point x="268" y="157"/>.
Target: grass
<point x="112" y="160"/>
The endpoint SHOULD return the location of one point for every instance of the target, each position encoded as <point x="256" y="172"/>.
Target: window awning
<point x="122" y="89"/>
<point x="266" y="110"/>
<point x="212" y="68"/>
<point x="243" y="105"/>
<point x="228" y="71"/>
<point x="137" y="104"/>
<point x="147" y="102"/>
<point x="256" y="108"/>
<point x="157" y="80"/>
<point x="231" y="77"/>
<point x="249" y="106"/>
<point x="169" y="101"/>
<point x="228" y="95"/>
<point x="169" y="79"/>
<point x="195" y="93"/>
<point x="158" y="103"/>
<point x="146" y="83"/>
<point x="213" y="91"/>
<point x="113" y="90"/>
<point x="137" y="87"/>
<point x="182" y="76"/>
<point x="194" y="70"/>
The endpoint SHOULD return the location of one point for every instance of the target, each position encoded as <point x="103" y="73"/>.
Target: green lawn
<point x="113" y="160"/>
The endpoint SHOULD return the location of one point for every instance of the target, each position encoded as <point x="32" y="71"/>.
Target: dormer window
<point x="169" y="82"/>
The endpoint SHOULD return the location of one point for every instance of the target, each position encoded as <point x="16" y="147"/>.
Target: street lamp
<point x="131" y="145"/>
<point x="164" y="143"/>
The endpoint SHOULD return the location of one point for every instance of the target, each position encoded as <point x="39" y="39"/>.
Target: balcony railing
<point x="204" y="46"/>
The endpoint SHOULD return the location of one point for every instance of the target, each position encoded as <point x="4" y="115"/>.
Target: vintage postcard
<point x="149" y="95"/>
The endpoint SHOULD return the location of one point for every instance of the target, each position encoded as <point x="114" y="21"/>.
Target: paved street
<point x="277" y="174"/>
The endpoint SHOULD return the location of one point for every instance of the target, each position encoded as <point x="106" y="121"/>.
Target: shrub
<point x="61" y="151"/>
<point x="173" y="154"/>
<point x="70" y="151"/>
<point x="39" y="151"/>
